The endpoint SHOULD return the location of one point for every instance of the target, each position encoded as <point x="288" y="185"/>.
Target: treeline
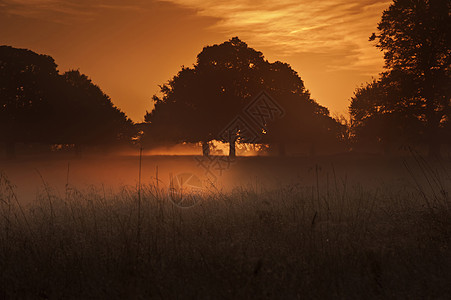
<point x="234" y="95"/>
<point x="39" y="106"/>
<point x="410" y="103"/>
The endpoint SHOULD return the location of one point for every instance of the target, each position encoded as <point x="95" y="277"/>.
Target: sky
<point x="131" y="47"/>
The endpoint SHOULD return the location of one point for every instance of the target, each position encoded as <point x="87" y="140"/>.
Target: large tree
<point x="38" y="105"/>
<point x="304" y="120"/>
<point x="86" y="115"/>
<point x="199" y="103"/>
<point x="26" y="79"/>
<point x="383" y="113"/>
<point x="415" y="38"/>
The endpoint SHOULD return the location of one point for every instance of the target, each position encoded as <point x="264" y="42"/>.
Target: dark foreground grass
<point x="294" y="242"/>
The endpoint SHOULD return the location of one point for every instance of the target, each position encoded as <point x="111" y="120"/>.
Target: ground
<point x="343" y="226"/>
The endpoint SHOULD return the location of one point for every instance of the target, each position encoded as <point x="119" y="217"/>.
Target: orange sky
<point x="129" y="49"/>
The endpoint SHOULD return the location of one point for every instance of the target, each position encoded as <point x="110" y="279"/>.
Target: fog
<point x="32" y="176"/>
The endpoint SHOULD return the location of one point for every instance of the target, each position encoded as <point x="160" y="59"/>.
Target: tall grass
<point x="334" y="239"/>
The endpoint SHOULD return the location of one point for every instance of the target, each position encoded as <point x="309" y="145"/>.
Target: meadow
<point x="347" y="227"/>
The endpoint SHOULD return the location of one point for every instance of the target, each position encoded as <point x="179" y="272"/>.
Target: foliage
<point x="26" y="79"/>
<point x="86" y="109"/>
<point x="38" y="105"/>
<point x="199" y="102"/>
<point x="415" y="38"/>
<point x="382" y="113"/>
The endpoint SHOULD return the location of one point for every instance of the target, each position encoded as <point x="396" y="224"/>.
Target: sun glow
<point x="294" y="27"/>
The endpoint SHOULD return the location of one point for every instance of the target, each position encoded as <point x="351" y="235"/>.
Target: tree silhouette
<point x="25" y="81"/>
<point x="304" y="119"/>
<point x="199" y="103"/>
<point x="86" y="115"/>
<point x="384" y="113"/>
<point x="415" y="36"/>
<point x="37" y="105"/>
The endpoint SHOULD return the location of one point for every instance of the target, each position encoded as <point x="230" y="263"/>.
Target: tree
<point x="25" y="81"/>
<point x="304" y="119"/>
<point x="38" y="105"/>
<point x="200" y="102"/>
<point x="383" y="114"/>
<point x="415" y="36"/>
<point x="86" y="115"/>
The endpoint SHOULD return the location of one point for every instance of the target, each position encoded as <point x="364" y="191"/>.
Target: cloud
<point x="333" y="27"/>
<point x="339" y="29"/>
<point x="66" y="11"/>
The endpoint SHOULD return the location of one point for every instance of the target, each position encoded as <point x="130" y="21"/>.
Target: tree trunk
<point x="205" y="148"/>
<point x="232" y="148"/>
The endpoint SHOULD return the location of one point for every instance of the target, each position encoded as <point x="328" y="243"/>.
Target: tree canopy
<point x="381" y="113"/>
<point x="304" y="120"/>
<point x="200" y="102"/>
<point x="415" y="90"/>
<point x="38" y="105"/>
<point x="86" y="115"/>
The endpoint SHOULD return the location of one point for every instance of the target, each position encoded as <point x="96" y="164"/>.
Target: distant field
<point x="348" y="227"/>
<point x="113" y="171"/>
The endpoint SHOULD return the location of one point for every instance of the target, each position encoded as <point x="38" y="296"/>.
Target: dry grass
<point x="343" y="241"/>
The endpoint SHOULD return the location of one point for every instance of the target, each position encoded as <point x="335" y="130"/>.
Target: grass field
<point x="293" y="228"/>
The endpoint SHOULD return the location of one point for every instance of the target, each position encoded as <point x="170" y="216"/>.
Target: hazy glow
<point x="292" y="26"/>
